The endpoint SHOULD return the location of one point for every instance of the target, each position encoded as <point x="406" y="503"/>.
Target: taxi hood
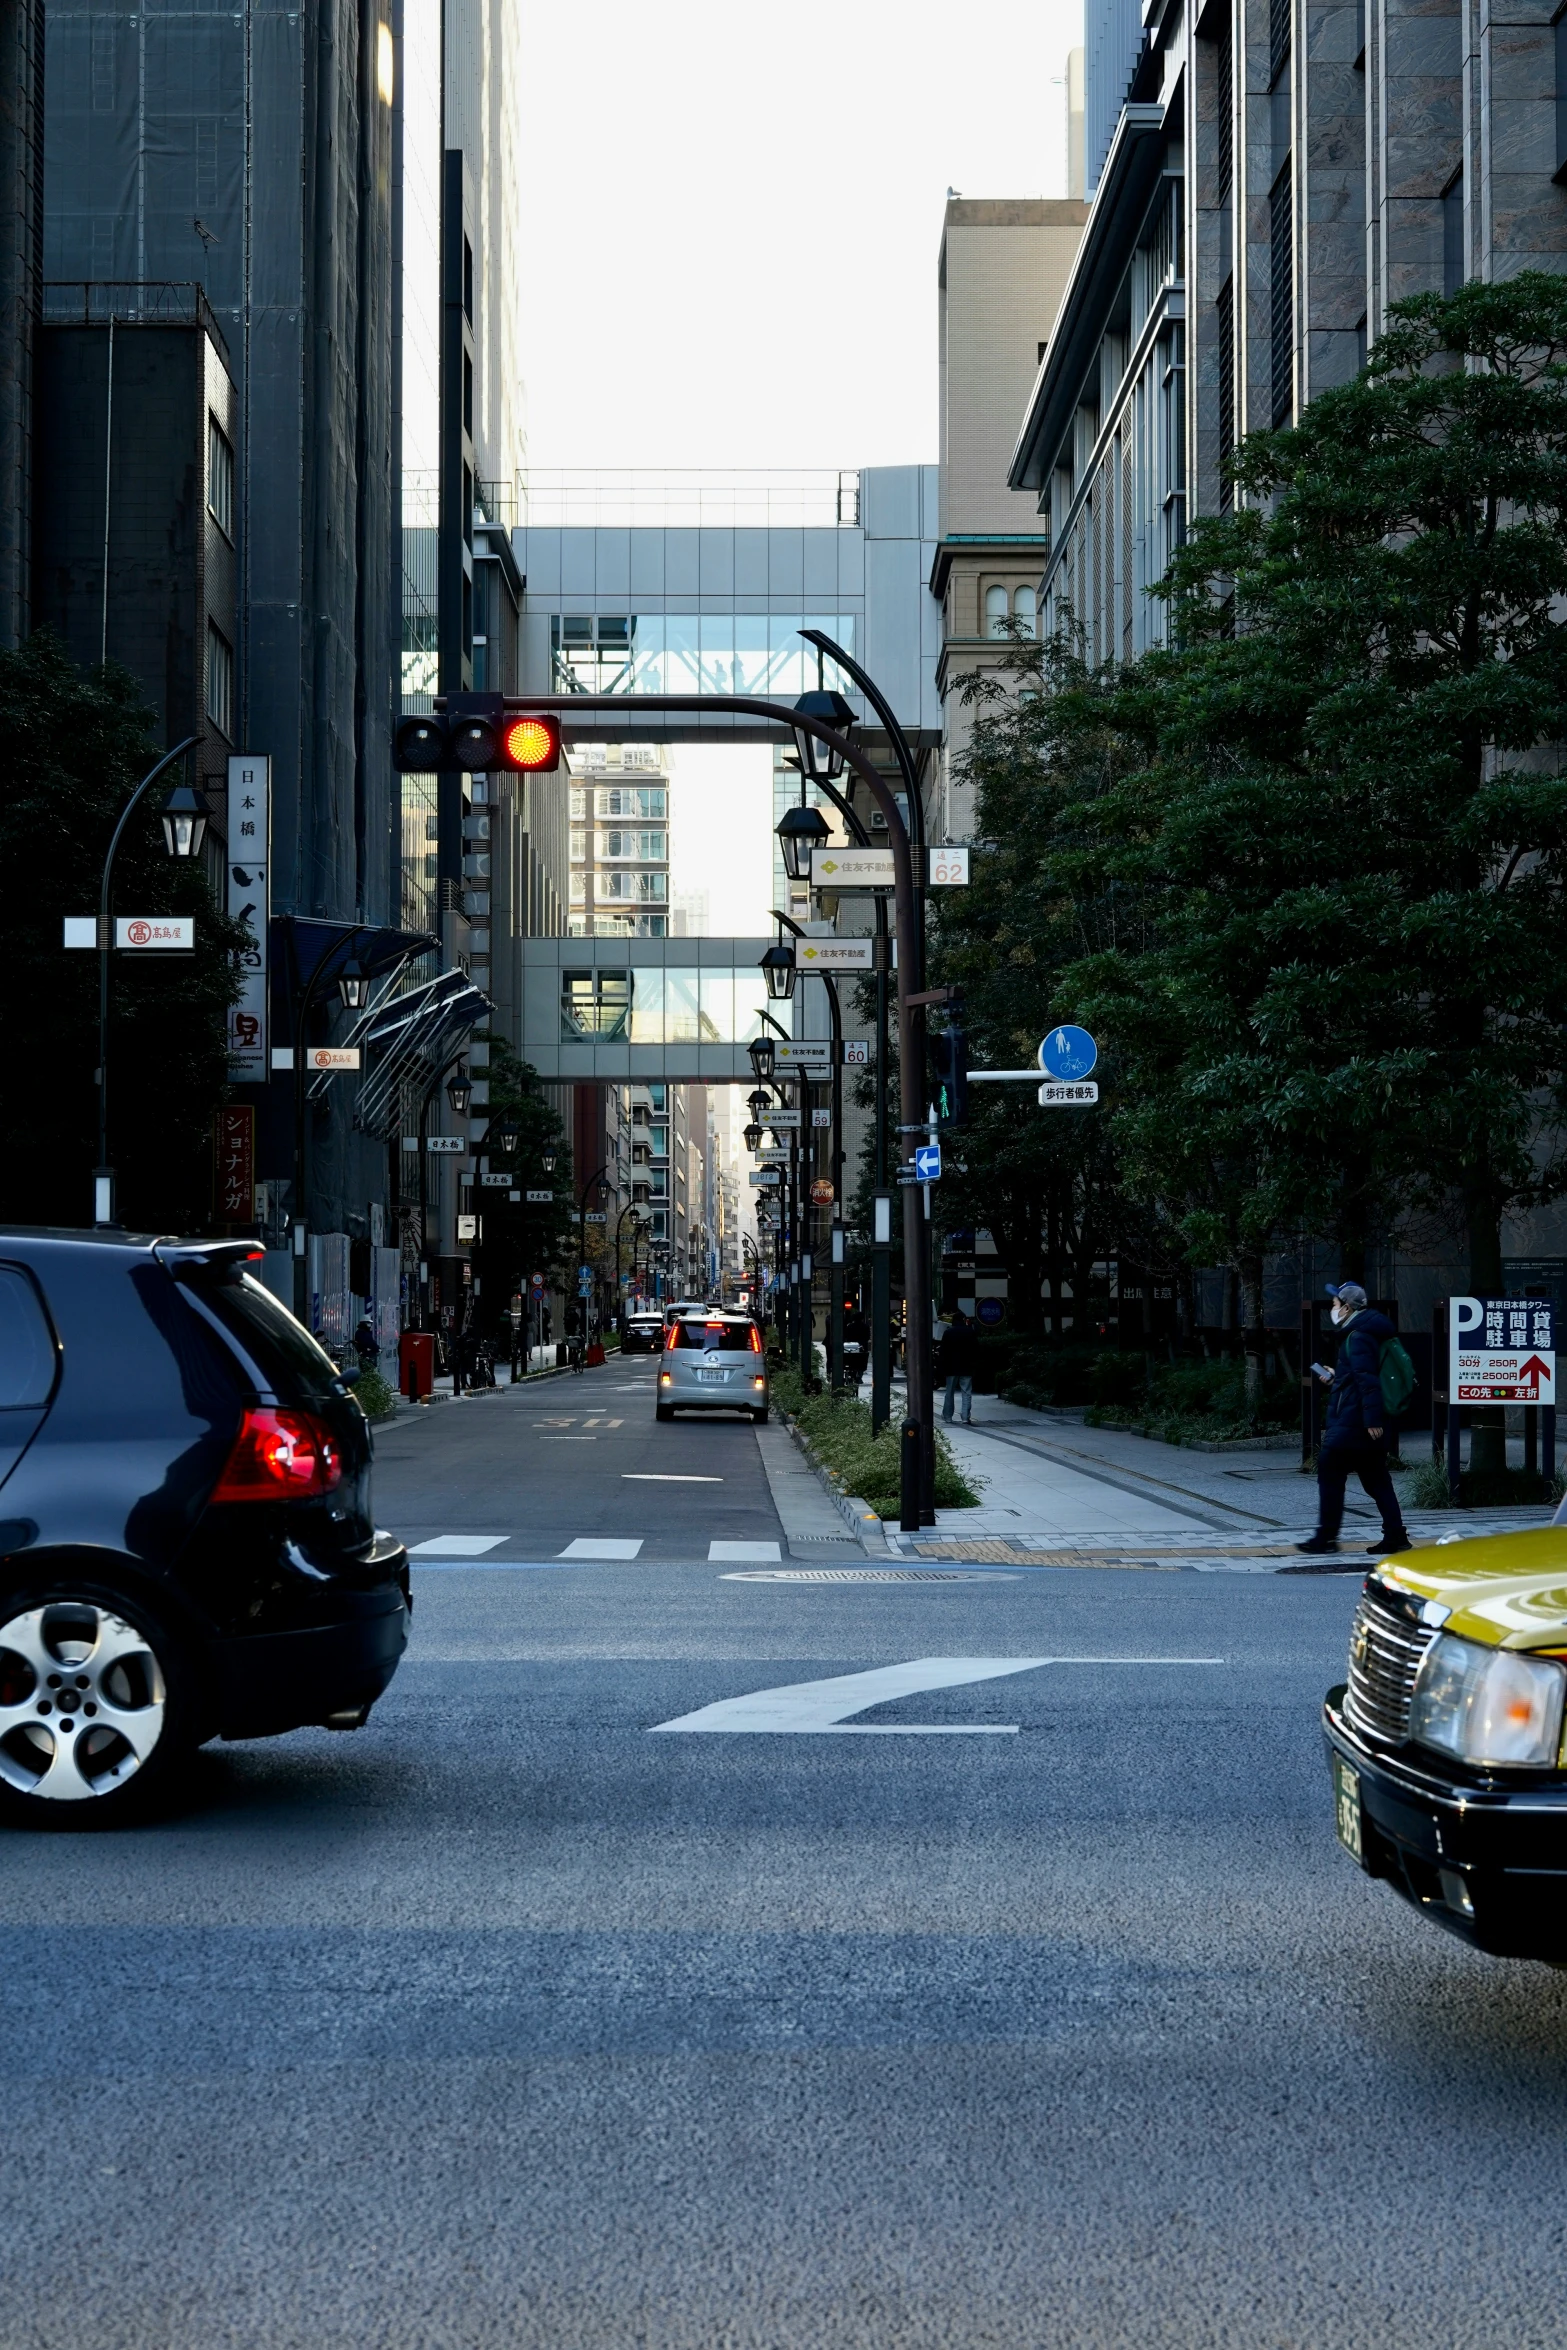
<point x="1504" y="1590"/>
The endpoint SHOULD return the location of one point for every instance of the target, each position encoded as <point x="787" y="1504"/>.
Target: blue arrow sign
<point x="927" y="1163"/>
<point x="1068" y="1052"/>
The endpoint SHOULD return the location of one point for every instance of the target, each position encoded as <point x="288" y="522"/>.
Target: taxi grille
<point x="1385" y="1653"/>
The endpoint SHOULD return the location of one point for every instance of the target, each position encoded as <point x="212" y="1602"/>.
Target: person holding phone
<point x="1355" y="1436"/>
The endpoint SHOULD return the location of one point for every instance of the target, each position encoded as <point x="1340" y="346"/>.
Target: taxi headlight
<point x="1488" y="1705"/>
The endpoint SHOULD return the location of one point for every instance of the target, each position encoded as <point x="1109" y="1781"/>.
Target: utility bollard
<point x="911" y="1476"/>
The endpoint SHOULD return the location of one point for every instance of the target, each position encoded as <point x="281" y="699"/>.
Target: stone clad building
<point x="1267" y="177"/>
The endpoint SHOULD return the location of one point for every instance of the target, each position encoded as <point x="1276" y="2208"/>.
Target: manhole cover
<point x="866" y="1575"/>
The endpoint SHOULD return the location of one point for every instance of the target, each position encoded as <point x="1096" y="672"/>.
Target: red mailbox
<point x="416" y="1364"/>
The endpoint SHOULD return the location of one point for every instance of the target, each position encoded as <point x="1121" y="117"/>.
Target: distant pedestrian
<point x="365" y="1346"/>
<point x="1359" y="1423"/>
<point x="957" y="1359"/>
<point x="856" y="1346"/>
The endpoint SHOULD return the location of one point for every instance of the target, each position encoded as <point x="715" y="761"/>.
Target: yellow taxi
<point x="1446" y="1741"/>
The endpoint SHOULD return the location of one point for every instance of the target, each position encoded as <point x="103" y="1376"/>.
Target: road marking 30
<point x="824" y="1707"/>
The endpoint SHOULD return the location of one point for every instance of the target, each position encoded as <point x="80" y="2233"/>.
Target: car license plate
<point x="712" y="1378"/>
<point x="1346" y="1807"/>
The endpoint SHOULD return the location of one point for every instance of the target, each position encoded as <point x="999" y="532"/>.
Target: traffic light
<point x="477" y="735"/>
<point x="949" y="1068"/>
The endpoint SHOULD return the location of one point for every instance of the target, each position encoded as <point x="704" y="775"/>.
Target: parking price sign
<point x="1501" y="1350"/>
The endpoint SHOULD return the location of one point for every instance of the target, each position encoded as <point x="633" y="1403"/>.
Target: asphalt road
<point x="519" y="2020"/>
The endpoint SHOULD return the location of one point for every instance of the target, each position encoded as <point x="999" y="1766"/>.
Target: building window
<point x="579" y="889"/>
<point x="220" y="477"/>
<point x="1453" y="270"/>
<point x="1023" y="610"/>
<point x="1278" y="40"/>
<point x="579" y="848"/>
<point x="220" y="681"/>
<point x="632" y="800"/>
<point x="644" y="845"/>
<point x="1224" y="105"/>
<point x="1282" y="352"/>
<point x="996" y="609"/>
<point x="1225" y="310"/>
<point x="579" y="803"/>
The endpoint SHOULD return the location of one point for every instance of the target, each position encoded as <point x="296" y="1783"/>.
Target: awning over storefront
<point x="406" y="1040"/>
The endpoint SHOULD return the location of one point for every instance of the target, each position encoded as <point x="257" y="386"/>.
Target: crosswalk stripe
<point x="458" y="1546"/>
<point x="739" y="1554"/>
<point x="600" y="1546"/>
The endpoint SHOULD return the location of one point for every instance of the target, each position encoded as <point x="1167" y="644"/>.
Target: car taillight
<point x="671" y="1337"/>
<point x="280" y="1456"/>
<point x="756" y="1340"/>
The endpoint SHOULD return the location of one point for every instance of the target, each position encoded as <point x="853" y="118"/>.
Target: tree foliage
<point x="76" y="746"/>
<point x="1302" y="868"/>
<point x="524" y="1237"/>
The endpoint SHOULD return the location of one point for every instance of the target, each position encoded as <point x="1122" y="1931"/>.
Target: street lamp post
<point x="430" y="1092"/>
<point x="801" y="838"/>
<point x="903" y="838"/>
<point x="582" y="1252"/>
<point x="184" y="824"/>
<point x="835" y="1152"/>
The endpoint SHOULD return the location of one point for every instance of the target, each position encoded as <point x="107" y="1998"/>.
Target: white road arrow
<point x="824" y="1706"/>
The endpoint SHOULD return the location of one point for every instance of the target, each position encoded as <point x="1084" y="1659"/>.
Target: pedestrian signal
<point x="949" y="1070"/>
<point x="475" y="734"/>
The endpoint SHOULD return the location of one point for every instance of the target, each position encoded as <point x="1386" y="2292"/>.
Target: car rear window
<point x="27" y="1356"/>
<point x="282" y="1349"/>
<point x="730" y="1338"/>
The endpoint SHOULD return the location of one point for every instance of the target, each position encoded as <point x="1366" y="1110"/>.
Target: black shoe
<point x="1387" y="1550"/>
<point x="1317" y="1544"/>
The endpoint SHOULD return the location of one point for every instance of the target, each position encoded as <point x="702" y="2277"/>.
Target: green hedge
<point x="838" y="1429"/>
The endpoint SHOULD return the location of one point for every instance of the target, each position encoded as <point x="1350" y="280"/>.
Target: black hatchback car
<point x="186" y="1545"/>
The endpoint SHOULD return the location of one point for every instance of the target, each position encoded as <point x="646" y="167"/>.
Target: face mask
<point x="1340" y="1311"/>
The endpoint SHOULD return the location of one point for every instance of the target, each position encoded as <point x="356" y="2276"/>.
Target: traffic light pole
<point x="902" y="838"/>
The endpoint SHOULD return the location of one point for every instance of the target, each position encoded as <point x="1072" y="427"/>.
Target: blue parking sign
<point x="1068" y="1052"/>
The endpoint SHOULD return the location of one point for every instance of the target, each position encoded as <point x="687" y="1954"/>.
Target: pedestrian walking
<point x="1356" y="1437"/>
<point x="957" y="1359"/>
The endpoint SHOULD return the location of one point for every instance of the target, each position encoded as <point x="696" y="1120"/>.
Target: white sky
<point x="731" y="217"/>
<point x="720" y="832"/>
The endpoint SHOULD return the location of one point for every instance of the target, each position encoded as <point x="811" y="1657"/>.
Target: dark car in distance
<point x="186" y="1545"/>
<point x="642" y="1334"/>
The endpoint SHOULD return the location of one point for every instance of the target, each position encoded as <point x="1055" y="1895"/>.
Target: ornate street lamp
<point x="459" y="1092"/>
<point x="185" y="815"/>
<point x="800" y="830"/>
<point x="547" y="1161"/>
<point x="777" y="967"/>
<point x="753" y="1137"/>
<point x="764" y="1052"/>
<point x="353" y="985"/>
<point x="818" y="760"/>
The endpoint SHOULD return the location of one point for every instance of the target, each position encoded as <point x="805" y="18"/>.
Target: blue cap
<point x="1348" y="1293"/>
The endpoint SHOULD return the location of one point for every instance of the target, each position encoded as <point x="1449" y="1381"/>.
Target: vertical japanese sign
<point x="234" y="1164"/>
<point x="1501" y="1349"/>
<point x="249" y="854"/>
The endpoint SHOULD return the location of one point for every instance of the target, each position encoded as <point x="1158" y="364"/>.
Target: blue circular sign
<point x="1068" y="1052"/>
<point x="991" y="1309"/>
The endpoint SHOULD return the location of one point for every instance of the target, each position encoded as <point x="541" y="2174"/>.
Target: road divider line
<point x="664" y="1477"/>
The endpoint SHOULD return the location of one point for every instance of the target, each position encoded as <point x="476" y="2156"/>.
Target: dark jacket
<point x="1355" y="1398"/>
<point x="958" y="1355"/>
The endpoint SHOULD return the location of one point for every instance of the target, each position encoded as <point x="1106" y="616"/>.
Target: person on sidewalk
<point x="1355" y="1436"/>
<point x="957" y="1360"/>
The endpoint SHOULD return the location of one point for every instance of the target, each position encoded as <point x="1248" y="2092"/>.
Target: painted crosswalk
<point x="457" y="1546"/>
<point x="601" y="1546"/>
<point x="743" y="1554"/>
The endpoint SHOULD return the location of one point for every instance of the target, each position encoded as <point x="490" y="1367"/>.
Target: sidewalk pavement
<point x="1058" y="1492"/>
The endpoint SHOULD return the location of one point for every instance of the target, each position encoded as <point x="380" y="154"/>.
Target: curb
<point x="857" y="1514"/>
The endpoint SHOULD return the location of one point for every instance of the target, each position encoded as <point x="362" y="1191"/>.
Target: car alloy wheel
<point x="83" y="1702"/>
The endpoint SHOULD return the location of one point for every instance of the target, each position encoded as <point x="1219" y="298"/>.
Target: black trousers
<point x="1357" y="1455"/>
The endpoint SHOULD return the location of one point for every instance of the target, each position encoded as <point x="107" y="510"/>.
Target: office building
<point x="1266" y="183"/>
<point x="21" y="274"/>
<point x="1002" y="270"/>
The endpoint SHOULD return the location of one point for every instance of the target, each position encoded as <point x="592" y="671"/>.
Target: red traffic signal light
<point x="477" y="735"/>
<point x="530" y="744"/>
